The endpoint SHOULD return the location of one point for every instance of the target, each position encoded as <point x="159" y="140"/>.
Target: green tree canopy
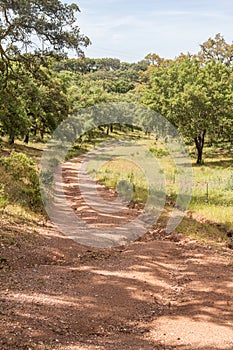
<point x="52" y="22"/>
<point x="31" y="31"/>
<point x="32" y="103"/>
<point x="196" y="98"/>
<point x="216" y="49"/>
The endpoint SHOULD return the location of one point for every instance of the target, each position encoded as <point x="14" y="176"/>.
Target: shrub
<point x="20" y="180"/>
<point x="229" y="185"/>
<point x="159" y="153"/>
<point x="3" y="197"/>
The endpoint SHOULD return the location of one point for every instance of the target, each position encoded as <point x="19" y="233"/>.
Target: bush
<point x="3" y="197"/>
<point x="20" y="180"/>
<point x="229" y="185"/>
<point x="159" y="153"/>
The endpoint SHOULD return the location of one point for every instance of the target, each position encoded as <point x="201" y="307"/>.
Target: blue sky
<point x="130" y="29"/>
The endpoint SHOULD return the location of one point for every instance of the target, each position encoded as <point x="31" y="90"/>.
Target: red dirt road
<point x="161" y="292"/>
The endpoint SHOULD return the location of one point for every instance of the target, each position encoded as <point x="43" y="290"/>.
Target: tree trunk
<point x="12" y="139"/>
<point x="199" y="142"/>
<point x="26" y="139"/>
<point x="42" y="135"/>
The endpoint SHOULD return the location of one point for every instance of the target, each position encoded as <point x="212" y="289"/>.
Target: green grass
<point x="124" y="175"/>
<point x="212" y="182"/>
<point x="213" y="187"/>
<point x="201" y="231"/>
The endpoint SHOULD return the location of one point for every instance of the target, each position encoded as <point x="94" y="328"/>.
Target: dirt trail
<point x="162" y="292"/>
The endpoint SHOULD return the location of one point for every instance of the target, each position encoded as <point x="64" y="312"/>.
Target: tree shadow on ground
<point x="56" y="292"/>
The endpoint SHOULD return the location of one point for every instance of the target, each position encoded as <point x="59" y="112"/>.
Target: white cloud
<point x="166" y="27"/>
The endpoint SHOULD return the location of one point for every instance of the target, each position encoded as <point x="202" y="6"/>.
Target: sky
<point x="130" y="29"/>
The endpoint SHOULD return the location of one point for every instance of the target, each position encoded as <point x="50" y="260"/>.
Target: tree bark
<point x="12" y="139"/>
<point x="26" y="139"/>
<point x="42" y="135"/>
<point x="199" y="142"/>
<point x="109" y="129"/>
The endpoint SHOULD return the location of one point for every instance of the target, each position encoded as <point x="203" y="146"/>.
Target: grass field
<point x="212" y="195"/>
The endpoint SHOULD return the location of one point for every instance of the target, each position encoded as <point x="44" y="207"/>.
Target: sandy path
<point x="157" y="293"/>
